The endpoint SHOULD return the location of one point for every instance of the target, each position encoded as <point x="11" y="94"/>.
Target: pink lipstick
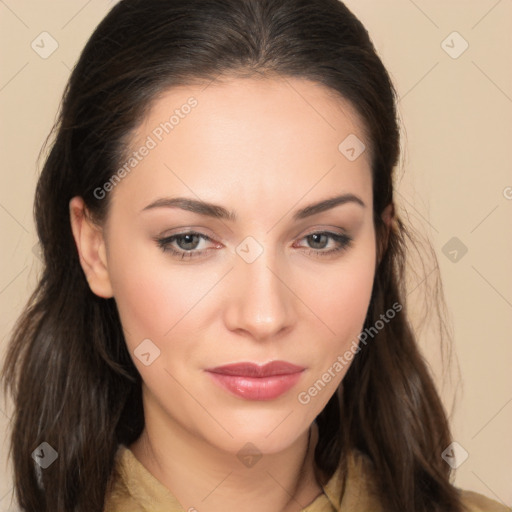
<point x="257" y="382"/>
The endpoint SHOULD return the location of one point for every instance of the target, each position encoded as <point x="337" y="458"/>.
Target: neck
<point x="202" y="477"/>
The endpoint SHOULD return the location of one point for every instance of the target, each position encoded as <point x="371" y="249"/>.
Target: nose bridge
<point x="261" y="304"/>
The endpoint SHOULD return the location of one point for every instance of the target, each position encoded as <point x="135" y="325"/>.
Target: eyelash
<point x="343" y="240"/>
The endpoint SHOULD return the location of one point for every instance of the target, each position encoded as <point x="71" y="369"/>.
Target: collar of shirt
<point x="137" y="490"/>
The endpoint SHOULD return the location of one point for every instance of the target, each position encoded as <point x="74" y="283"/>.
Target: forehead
<point x="259" y="133"/>
<point x="266" y="104"/>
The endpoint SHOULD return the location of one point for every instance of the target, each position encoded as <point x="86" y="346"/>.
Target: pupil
<point x="317" y="239"/>
<point x="185" y="241"/>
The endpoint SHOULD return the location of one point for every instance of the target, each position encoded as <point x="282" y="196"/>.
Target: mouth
<point x="252" y="381"/>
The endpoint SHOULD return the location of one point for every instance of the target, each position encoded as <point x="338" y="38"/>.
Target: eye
<point x="324" y="243"/>
<point x="184" y="245"/>
<point x="191" y="244"/>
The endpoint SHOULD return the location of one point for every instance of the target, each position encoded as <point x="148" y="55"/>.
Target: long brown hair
<point x="73" y="382"/>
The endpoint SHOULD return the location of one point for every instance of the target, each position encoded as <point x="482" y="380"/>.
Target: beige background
<point x="456" y="181"/>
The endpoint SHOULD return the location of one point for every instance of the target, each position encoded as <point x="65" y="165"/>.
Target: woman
<point x="220" y="323"/>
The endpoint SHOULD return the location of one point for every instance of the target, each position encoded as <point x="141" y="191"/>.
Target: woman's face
<point x="265" y="276"/>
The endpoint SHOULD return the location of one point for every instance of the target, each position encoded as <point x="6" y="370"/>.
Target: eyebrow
<point x="219" y="212"/>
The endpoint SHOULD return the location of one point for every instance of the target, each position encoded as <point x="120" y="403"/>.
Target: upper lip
<point x="249" y="369"/>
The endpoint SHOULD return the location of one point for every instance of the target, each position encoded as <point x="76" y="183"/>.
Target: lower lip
<point x="257" y="388"/>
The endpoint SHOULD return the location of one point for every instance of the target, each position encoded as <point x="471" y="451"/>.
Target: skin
<point x="263" y="148"/>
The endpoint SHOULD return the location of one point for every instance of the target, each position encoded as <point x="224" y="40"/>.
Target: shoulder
<point x="475" y="502"/>
<point x="361" y="483"/>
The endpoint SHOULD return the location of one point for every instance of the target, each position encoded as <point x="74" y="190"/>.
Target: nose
<point x="261" y="303"/>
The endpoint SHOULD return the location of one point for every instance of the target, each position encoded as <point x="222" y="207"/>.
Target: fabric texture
<point x="137" y="490"/>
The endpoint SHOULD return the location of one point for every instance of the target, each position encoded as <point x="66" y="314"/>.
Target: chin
<point x="267" y="432"/>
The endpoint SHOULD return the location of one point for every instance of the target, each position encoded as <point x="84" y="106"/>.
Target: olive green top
<point x="137" y="490"/>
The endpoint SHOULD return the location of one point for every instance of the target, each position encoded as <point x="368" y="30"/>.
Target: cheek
<point x="342" y="307"/>
<point x="343" y="293"/>
<point x="144" y="301"/>
<point x="148" y="297"/>
<point x="155" y="299"/>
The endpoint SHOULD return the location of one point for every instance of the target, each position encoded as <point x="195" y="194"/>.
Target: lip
<point x="252" y="381"/>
